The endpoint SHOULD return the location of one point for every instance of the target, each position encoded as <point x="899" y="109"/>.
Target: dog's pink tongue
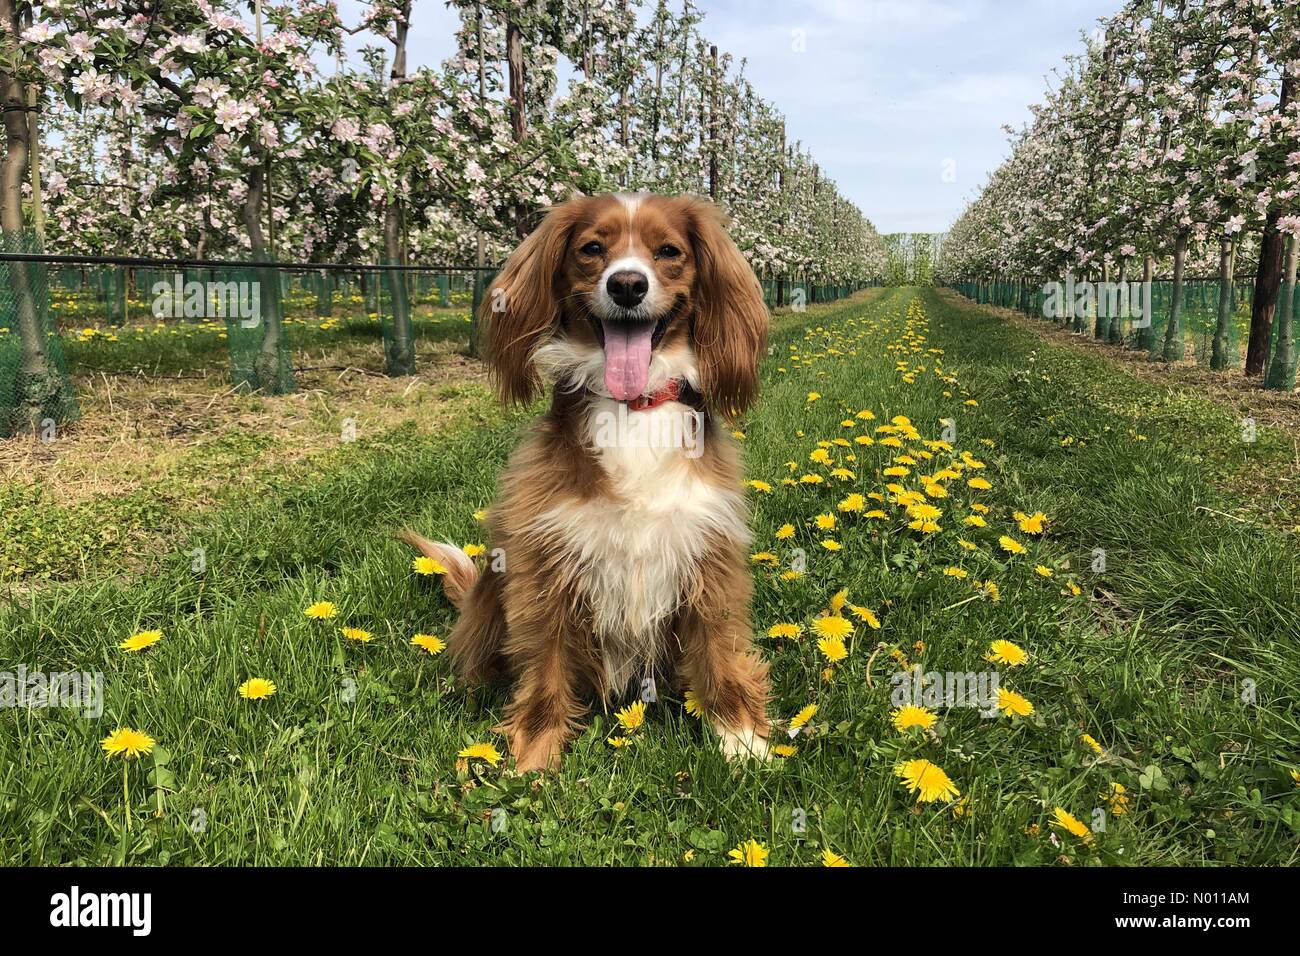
<point x="627" y="358"/>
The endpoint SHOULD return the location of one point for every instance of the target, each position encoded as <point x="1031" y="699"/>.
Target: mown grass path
<point x="1179" y="660"/>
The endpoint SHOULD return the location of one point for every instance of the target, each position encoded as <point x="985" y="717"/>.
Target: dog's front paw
<point x="542" y="752"/>
<point x="743" y="744"/>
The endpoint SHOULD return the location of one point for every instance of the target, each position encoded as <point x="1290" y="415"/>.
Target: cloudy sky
<point x="888" y="94"/>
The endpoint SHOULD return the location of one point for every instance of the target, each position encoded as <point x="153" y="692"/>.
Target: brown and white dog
<point x="624" y="558"/>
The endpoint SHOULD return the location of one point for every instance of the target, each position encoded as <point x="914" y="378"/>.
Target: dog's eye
<point x="592" y="249"/>
<point x="667" y="252"/>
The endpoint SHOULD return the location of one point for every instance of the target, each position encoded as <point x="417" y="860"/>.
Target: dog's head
<point x="620" y="293"/>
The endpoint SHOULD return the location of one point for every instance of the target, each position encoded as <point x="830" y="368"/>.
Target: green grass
<point x="1180" y="658"/>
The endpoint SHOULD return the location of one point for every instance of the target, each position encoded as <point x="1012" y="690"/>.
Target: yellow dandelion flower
<point x="138" y="642"/>
<point x="787" y="631"/>
<point x="832" y="649"/>
<point x="1117" y="798"/>
<point x="853" y="503"/>
<point x="1010" y="545"/>
<point x="1012" y="704"/>
<point x="1067" y="821"/>
<point x="618" y="741"/>
<point x="801" y="719"/>
<point x="785" y="532"/>
<point x="825" y="522"/>
<point x="975" y="521"/>
<point x="832" y="626"/>
<point x="761" y="486"/>
<point x="356" y="634"/>
<point x="831" y="858"/>
<point x="979" y="484"/>
<point x="257" y="688"/>
<point x="632" y="716"/>
<point x="484" y="752"/>
<point x="830" y="544"/>
<point x="1005" y="652"/>
<point x="693" y="706"/>
<point x="427" y="565"/>
<point x="785" y="750"/>
<point x="1030" y="524"/>
<point x="927" y="781"/>
<point x="473" y="550"/>
<point x="1091" y="743"/>
<point x="763" y="557"/>
<point x="127" y="743"/>
<point x="431" y="643"/>
<point x="968" y="545"/>
<point x="321" y="610"/>
<point x="751" y="852"/>
<point x="1043" y="571"/>
<point x="866" y="616"/>
<point x="909" y="716"/>
<point x="924" y="512"/>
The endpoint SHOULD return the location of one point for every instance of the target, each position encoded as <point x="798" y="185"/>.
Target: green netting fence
<point x="256" y="310"/>
<point x="177" y="317"/>
<point x="1199" y="315"/>
<point x="779" y="291"/>
<point x="36" y="395"/>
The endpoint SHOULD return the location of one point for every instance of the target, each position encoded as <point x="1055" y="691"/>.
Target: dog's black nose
<point x="627" y="288"/>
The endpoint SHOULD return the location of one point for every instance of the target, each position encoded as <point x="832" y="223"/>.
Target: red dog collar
<point x="669" y="392"/>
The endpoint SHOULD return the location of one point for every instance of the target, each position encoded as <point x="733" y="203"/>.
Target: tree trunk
<point x="38" y="385"/>
<point x="1146" y="337"/>
<point x="1219" y="350"/>
<point x="266" y="367"/>
<point x="518" y="119"/>
<point x="713" y="124"/>
<point x="1263" y="303"/>
<point x="1116" y="336"/>
<point x="1101" y="306"/>
<point x="400" y="357"/>
<point x="1268" y="276"/>
<point x="623" y="108"/>
<point x="660" y="14"/>
<point x="34" y="139"/>
<point x="480" y="240"/>
<point x="1281" y="373"/>
<point x="1174" y="344"/>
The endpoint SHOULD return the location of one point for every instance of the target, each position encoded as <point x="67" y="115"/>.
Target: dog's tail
<point x="461" y="572"/>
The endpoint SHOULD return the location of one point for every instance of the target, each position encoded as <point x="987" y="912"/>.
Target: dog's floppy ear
<point x="521" y="308"/>
<point x="731" y="317"/>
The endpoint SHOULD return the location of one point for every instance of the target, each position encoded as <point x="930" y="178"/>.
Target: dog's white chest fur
<point x="634" y="552"/>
